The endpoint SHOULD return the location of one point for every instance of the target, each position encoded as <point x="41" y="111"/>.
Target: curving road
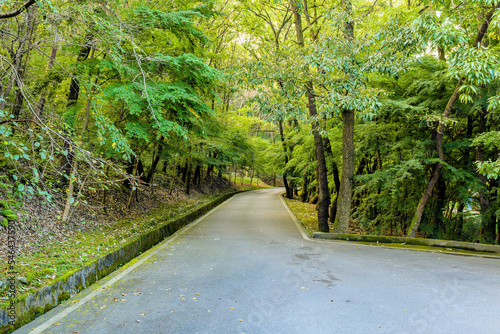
<point x="246" y="268"/>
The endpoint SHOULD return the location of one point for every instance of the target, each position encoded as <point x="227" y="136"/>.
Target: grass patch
<point x="306" y="214"/>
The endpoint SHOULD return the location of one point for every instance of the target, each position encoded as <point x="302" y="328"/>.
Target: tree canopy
<point x="383" y="113"/>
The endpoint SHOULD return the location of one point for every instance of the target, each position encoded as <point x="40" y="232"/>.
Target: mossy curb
<point x="469" y="246"/>
<point x="32" y="305"/>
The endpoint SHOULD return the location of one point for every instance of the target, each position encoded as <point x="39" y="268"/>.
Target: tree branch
<point x="15" y="120"/>
<point x="18" y="11"/>
<point x="485" y="25"/>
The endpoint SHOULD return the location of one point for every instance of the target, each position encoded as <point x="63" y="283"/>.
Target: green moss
<point x="63" y="296"/>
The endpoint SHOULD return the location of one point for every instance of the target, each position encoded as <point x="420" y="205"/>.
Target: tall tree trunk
<point x="344" y="198"/>
<point x="197" y="175"/>
<point x="324" y="193"/>
<point x="289" y="193"/>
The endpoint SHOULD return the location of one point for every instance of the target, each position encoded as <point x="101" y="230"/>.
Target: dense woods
<point x="383" y="113"/>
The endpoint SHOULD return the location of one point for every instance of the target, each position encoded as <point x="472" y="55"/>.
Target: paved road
<point x="245" y="268"/>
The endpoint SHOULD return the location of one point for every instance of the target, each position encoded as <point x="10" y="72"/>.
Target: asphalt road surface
<point x="247" y="268"/>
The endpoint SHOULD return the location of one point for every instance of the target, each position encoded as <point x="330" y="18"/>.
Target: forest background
<point x="383" y="114"/>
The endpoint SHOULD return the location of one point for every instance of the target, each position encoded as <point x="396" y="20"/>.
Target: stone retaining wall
<point x="35" y="304"/>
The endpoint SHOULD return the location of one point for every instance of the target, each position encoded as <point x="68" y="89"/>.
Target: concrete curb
<point x="494" y="249"/>
<point x="32" y="305"/>
<point x="296" y="221"/>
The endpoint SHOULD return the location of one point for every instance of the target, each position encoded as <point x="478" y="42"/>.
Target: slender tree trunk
<point x="304" y="193"/>
<point x="419" y="213"/>
<point x="18" y="103"/>
<point x="140" y="169"/>
<point x="74" y="93"/>
<point x="129" y="170"/>
<point x="173" y="179"/>
<point x="488" y="223"/>
<point x="188" y="179"/>
<point x="289" y="193"/>
<point x="336" y="181"/>
<point x="155" y="162"/>
<point x="251" y="179"/>
<point x="324" y="193"/>
<point x="184" y="172"/>
<point x="17" y="64"/>
<point x="42" y="99"/>
<point x="197" y="175"/>
<point x="105" y="192"/>
<point x="71" y="189"/>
